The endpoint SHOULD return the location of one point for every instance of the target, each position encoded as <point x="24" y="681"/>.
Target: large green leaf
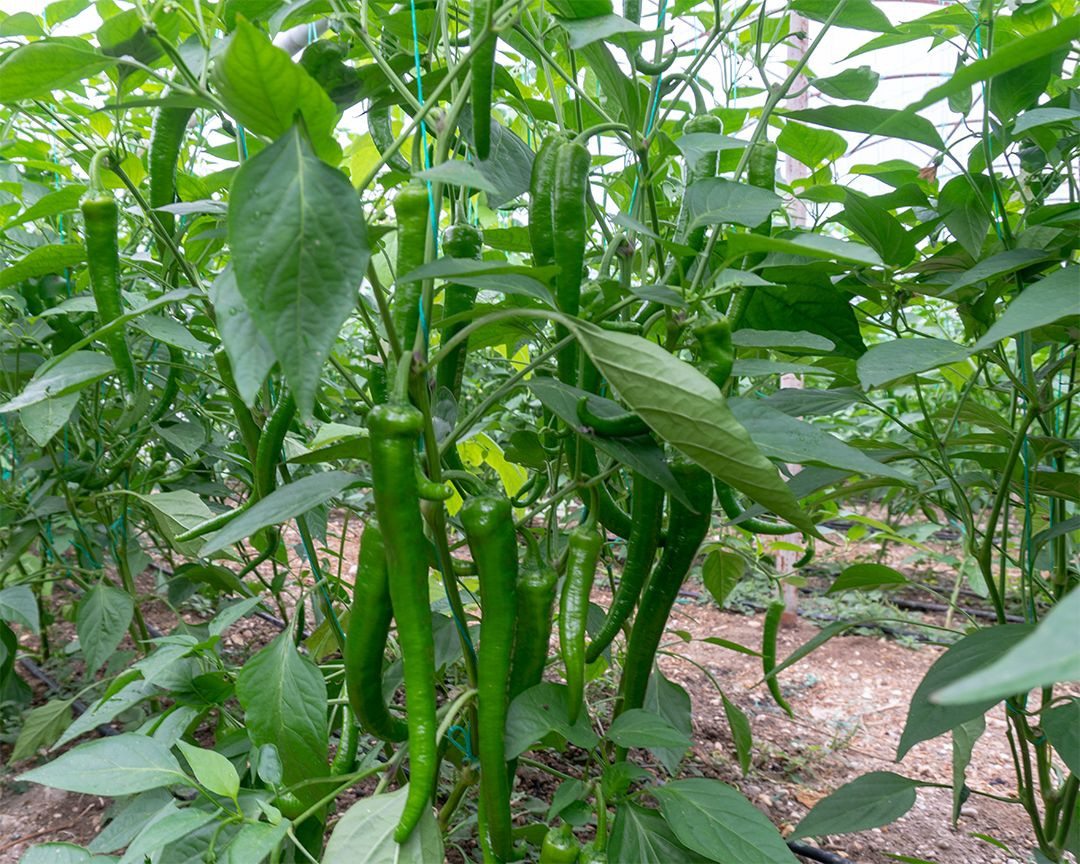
<point x="249" y="353"/>
<point x="964" y="738"/>
<point x="891" y="361"/>
<point x="284" y="699"/>
<point x="783" y="437"/>
<point x="716" y="821"/>
<point x="873" y="800"/>
<point x="33" y="71"/>
<point x="41" y="727"/>
<point x="880" y="229"/>
<point x="300" y="250"/>
<point x="101" y="622"/>
<point x="716" y="200"/>
<point x="284" y="503"/>
<point x="641" y="835"/>
<point x="803" y="243"/>
<point x="121" y="765"/>
<point x="1046" y="656"/>
<point x="856" y="14"/>
<point x="964" y="211"/>
<point x="264" y="89"/>
<point x="866" y="576"/>
<point x="871" y="120"/>
<point x="688" y="411"/>
<point x="1062" y="727"/>
<point x="1050" y="299"/>
<point x="810" y="145"/>
<point x="508" y="166"/>
<point x="69" y="375"/>
<point x="667" y="699"/>
<point x="640" y="728"/>
<point x="1015" y="54"/>
<point x="365" y="834"/>
<point x="854" y="84"/>
<point x="996" y="266"/>
<point x="817" y="308"/>
<point x="539" y="711"/>
<point x="927" y="719"/>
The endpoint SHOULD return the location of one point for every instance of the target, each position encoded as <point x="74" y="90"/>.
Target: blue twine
<point x="655" y="104"/>
<point x="466" y="750"/>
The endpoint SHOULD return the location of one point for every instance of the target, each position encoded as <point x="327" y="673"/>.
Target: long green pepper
<point x="394" y="430"/>
<point x="460" y="240"/>
<point x="413" y="220"/>
<point x="484" y="43"/>
<point x="102" y="221"/>
<point x="686" y="530"/>
<point x="536" y="584"/>
<point x="647" y="502"/>
<point x="570" y="183"/>
<point x="583" y="552"/>
<point x="365" y="643"/>
<point x="489" y="528"/>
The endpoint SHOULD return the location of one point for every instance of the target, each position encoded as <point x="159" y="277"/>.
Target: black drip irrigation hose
<point x="813" y="853"/>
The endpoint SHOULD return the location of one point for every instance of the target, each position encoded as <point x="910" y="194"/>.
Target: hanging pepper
<point x="484" y="43"/>
<point x="411" y="208"/>
<point x="583" y="552"/>
<point x="715" y="349"/>
<point x="166" y="138"/>
<point x="536" y="596"/>
<point x="489" y="528"/>
<point x="560" y="846"/>
<point x="102" y="222"/>
<point x="460" y="240"/>
<point x="394" y="429"/>
<point x="570" y="183"/>
<point x="541" y="184"/>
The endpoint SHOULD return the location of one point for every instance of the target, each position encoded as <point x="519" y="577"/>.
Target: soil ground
<point x="850" y="699"/>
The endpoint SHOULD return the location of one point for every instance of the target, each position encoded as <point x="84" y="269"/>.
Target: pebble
<point x="970" y="811"/>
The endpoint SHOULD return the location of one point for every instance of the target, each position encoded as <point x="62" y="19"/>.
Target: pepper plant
<point x="506" y="289"/>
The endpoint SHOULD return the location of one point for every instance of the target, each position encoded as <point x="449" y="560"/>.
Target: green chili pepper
<point x="725" y="495"/>
<point x="610" y="515"/>
<point x="429" y="489"/>
<point x="647" y="502"/>
<point x="484" y="43"/>
<point x="268" y="455"/>
<point x="628" y="424"/>
<point x="102" y="221"/>
<point x="365" y="643"/>
<point x="591" y="855"/>
<point x="583" y="552"/>
<point x="460" y="240"/>
<point x="768" y="652"/>
<point x="536" y="585"/>
<point x="394" y="430"/>
<point x="698" y="168"/>
<point x="560" y="846"/>
<point x="686" y="530"/>
<point x="541" y="217"/>
<point x="570" y="183"/>
<point x="532" y="491"/>
<point x="715" y="350"/>
<point x="249" y="430"/>
<point x="378" y="120"/>
<point x="489" y="529"/>
<point x="345" y="755"/>
<point x="761" y="166"/>
<point x="172" y="385"/>
<point x="166" y="138"/>
<point x="411" y="208"/>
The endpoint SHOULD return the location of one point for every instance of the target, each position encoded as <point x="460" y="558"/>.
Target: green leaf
<point x="891" y="361"/>
<point x="871" y="120"/>
<point x="866" y="577"/>
<point x="1010" y="56"/>
<point x="108" y="708"/>
<point x="802" y="340"/>
<point x="249" y="353"/>
<point x="619" y="91"/>
<point x="927" y="719"/>
<point x="176" y="512"/>
<point x="539" y="711"/>
<point x="164" y="832"/>
<point x="810" y="146"/>
<point x="964" y="737"/>
<point x="69" y="375"/>
<point x="44" y="419"/>
<point x="783" y="437"/>
<point x="716" y="821"/>
<point x="669" y="701"/>
<point x="284" y="699"/>
<point x="33" y="71"/>
<point x="880" y="229"/>
<point x="43" y="260"/>
<point x="873" y="800"/>
<point x="60" y="853"/>
<point x="365" y="834"/>
<point x="121" y="765"/>
<point x="264" y="89"/>
<point x="41" y="727"/>
<point x="508" y="166"/>
<point x="1062" y="727"/>
<point x="815" y="308"/>
<point x="715" y="200"/>
<point x="801" y="243"/>
<point x="854" y="84"/>
<point x="1050" y="299"/>
<point x="255" y="841"/>
<point x="695" y="145"/>
<point x="598" y="28"/>
<point x="997" y="266"/>
<point x="284" y="503"/>
<point x="1046" y="656"/>
<point x="18" y="604"/>
<point x="639" y="454"/>
<point x="641" y="835"/>
<point x="856" y="14"/>
<point x="721" y="572"/>
<point x="688" y="411"/>
<point x="212" y="770"/>
<point x="741" y="736"/>
<point x="63" y="200"/>
<point x="296" y="227"/>
<point x="101" y="622"/>
<point x="456" y="172"/>
<point x="963" y="211"/>
<point x="1044" y="117"/>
